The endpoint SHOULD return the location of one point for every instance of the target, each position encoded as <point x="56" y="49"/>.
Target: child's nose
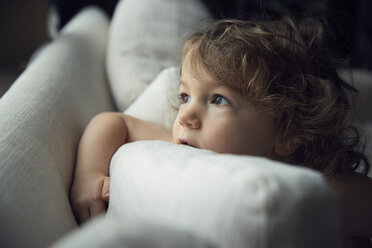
<point x="189" y="117"/>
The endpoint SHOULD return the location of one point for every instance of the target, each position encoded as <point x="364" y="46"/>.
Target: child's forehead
<point x="206" y="67"/>
<point x="186" y="82"/>
<point x="194" y="70"/>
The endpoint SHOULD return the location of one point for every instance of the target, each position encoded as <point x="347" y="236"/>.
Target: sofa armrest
<point x="130" y="232"/>
<point x="42" y="117"/>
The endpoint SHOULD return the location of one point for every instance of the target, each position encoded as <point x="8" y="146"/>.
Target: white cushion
<point x="42" y="117"/>
<point x="145" y="37"/>
<point x="231" y="200"/>
<point x="115" y="233"/>
<point x="159" y="102"/>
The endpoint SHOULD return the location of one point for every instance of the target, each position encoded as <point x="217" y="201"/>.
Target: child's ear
<point x="285" y="149"/>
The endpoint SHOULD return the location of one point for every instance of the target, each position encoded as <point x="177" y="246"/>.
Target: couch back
<point x="42" y="117"/>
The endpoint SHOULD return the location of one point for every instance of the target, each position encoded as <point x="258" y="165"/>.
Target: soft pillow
<point x="145" y="37"/>
<point x="231" y="200"/>
<point x="115" y="233"/>
<point x="159" y="102"/>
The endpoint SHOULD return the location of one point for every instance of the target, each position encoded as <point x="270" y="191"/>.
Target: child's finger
<point x="106" y="189"/>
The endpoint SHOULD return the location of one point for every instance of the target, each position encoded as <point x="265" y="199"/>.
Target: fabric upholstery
<point x="42" y="117"/>
<point x="130" y="233"/>
<point x="159" y="101"/>
<point x="145" y="37"/>
<point x="233" y="201"/>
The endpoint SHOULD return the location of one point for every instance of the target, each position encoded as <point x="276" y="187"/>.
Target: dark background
<point x="24" y="25"/>
<point x="350" y="20"/>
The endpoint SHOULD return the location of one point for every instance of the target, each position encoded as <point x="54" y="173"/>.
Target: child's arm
<point x="103" y="136"/>
<point x="355" y="193"/>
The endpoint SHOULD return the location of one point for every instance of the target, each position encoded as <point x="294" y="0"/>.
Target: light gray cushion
<point x="129" y="233"/>
<point x="230" y="200"/>
<point x="145" y="37"/>
<point x="42" y="117"/>
<point x="159" y="102"/>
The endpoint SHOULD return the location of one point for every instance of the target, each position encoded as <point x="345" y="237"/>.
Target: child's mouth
<point x="184" y="142"/>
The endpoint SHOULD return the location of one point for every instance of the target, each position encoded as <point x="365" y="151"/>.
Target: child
<point x="256" y="88"/>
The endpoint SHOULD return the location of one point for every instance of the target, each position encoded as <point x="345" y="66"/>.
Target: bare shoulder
<point x="355" y="193"/>
<point x="143" y="130"/>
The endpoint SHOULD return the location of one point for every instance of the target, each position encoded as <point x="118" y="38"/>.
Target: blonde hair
<point x="287" y="70"/>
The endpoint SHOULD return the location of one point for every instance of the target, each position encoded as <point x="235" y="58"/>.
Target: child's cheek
<point x="175" y="130"/>
<point x="217" y="140"/>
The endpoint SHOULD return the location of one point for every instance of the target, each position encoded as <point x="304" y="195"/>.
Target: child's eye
<point x="220" y="100"/>
<point x="184" y="98"/>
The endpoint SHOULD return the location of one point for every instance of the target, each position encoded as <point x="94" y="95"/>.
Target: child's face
<point x="212" y="116"/>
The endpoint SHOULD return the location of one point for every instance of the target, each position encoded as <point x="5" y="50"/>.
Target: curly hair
<point x="287" y="69"/>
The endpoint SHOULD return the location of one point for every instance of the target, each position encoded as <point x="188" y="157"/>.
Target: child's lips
<point x="185" y="142"/>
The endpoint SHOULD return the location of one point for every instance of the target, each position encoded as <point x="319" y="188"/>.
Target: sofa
<point x="42" y="117"/>
<point x="86" y="70"/>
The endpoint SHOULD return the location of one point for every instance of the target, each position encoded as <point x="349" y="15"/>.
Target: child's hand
<point x="106" y="189"/>
<point x="86" y="196"/>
